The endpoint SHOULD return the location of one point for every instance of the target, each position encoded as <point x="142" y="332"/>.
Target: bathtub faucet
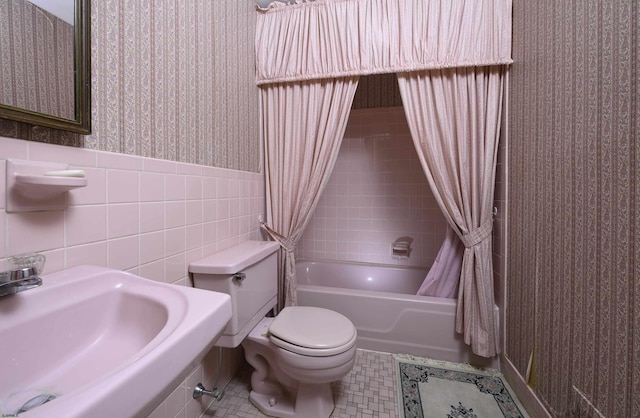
<point x="18" y="280"/>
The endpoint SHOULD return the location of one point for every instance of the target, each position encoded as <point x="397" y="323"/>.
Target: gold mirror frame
<point x="82" y="82"/>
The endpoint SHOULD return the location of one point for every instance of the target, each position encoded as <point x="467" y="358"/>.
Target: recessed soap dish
<point x="37" y="185"/>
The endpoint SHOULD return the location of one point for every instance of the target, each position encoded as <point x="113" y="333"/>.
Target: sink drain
<point x="31" y="403"/>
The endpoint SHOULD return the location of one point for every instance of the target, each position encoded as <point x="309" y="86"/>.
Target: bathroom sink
<point x="104" y="343"/>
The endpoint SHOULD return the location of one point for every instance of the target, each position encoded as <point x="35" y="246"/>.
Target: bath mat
<point x="439" y="389"/>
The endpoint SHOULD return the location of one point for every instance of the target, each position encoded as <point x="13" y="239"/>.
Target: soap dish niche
<point x="39" y="186"/>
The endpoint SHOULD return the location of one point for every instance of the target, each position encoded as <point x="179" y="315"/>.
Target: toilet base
<point x="287" y="385"/>
<point x="312" y="401"/>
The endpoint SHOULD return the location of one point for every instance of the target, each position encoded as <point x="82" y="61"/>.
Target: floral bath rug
<point x="439" y="389"/>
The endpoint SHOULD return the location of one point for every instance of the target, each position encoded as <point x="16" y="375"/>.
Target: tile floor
<point x="368" y="391"/>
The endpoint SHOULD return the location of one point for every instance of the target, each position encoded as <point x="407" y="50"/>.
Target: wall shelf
<point x="38" y="186"/>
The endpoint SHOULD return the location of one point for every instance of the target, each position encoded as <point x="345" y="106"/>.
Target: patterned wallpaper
<point x="36" y="59"/>
<point x="574" y="199"/>
<point x="175" y="81"/>
<point x="170" y="80"/>
<point x="377" y="90"/>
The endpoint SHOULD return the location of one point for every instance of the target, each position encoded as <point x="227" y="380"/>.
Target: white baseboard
<point x="527" y="397"/>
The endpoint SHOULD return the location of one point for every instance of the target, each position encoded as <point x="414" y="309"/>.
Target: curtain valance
<point x="338" y="38"/>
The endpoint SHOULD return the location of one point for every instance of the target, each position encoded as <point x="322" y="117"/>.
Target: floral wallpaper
<point x="170" y="80"/>
<point x="574" y="193"/>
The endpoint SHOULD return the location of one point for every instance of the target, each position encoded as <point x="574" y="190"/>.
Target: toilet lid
<point x="311" y="328"/>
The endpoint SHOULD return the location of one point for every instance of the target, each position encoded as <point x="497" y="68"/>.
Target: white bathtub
<point x="381" y="301"/>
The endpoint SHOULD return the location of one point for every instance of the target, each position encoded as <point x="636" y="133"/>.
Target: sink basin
<point x="104" y="342"/>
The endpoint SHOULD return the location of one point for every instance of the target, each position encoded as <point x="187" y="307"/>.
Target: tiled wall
<point x="147" y="216"/>
<point x="500" y="222"/>
<point x="574" y="200"/>
<point x="377" y="193"/>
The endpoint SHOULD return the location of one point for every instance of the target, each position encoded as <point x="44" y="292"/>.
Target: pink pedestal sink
<point x="104" y="342"/>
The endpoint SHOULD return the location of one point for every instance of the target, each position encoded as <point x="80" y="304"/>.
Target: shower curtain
<point x="303" y="125"/>
<point x="454" y="117"/>
<point x="337" y="39"/>
<point x="444" y="275"/>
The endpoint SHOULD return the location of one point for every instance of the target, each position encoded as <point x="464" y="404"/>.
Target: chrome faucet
<point x="18" y="280"/>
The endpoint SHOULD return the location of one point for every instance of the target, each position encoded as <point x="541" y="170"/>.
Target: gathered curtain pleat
<point x="454" y="116"/>
<point x="338" y="38"/>
<point x="303" y="125"/>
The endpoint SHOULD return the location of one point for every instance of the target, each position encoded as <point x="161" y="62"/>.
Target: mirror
<point x="45" y="61"/>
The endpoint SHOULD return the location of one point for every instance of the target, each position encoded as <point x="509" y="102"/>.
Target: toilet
<point x="296" y="354"/>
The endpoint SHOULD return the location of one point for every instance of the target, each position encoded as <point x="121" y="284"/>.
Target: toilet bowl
<point x="296" y="354"/>
<point x="294" y="367"/>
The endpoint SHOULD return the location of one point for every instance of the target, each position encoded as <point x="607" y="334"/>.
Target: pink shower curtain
<point x="340" y="38"/>
<point x="454" y="117"/>
<point x="303" y="125"/>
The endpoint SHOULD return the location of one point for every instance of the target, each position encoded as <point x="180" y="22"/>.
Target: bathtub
<point x="382" y="303"/>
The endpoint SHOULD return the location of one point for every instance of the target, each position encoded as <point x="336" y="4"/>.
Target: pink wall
<point x="150" y="217"/>
<point x="377" y="193"/>
<point x="500" y="230"/>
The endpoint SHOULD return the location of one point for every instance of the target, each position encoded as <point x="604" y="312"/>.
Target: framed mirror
<point x="45" y="62"/>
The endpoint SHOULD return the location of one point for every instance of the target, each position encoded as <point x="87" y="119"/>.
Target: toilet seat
<point x="312" y="331"/>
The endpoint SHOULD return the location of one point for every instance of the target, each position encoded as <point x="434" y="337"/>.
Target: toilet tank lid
<point x="234" y="259"/>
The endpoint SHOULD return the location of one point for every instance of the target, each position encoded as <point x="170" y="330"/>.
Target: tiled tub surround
<point x="377" y="193"/>
<point x="146" y="216"/>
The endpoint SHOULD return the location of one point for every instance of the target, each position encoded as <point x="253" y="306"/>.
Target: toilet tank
<point x="248" y="273"/>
